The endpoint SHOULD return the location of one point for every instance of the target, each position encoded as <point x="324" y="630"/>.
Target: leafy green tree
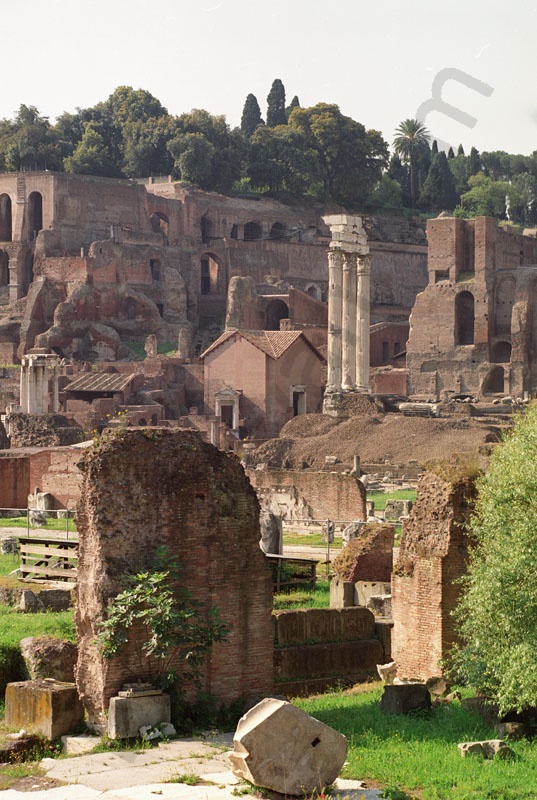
<point x="497" y="615"/>
<point x="145" y="146"/>
<point x="387" y="194"/>
<point x="279" y="158"/>
<point x="485" y="197"/>
<point x="439" y="192"/>
<point x="459" y="170"/>
<point x="410" y="141"/>
<point x="400" y="173"/>
<point x="194" y="156"/>
<point x="350" y="159"/>
<point x="91" y="156"/>
<point x="30" y="142"/>
<point x="276" y="105"/>
<point x="251" y="116"/>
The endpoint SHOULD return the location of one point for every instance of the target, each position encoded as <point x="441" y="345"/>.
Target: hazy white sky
<point x="377" y="59"/>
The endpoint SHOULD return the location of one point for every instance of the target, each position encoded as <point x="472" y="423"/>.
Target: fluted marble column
<point x="363" y="272"/>
<point x="348" y="345"/>
<point x="335" y="270"/>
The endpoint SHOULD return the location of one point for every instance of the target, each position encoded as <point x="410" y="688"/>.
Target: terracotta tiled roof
<point x="100" y="382"/>
<point x="273" y="343"/>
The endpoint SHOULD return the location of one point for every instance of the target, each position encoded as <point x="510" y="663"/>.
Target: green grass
<point x="418" y="753"/>
<point x="381" y="498"/>
<point x="15" y="626"/>
<point x="310" y="540"/>
<point x="13" y="772"/>
<point x="319" y="597"/>
<point x="49" y="524"/>
<point x="8" y="564"/>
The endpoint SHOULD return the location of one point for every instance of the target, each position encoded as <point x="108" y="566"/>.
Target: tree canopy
<point x="497" y="614"/>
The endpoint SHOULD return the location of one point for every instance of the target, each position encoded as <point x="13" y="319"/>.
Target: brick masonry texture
<point x="176" y="491"/>
<point x="432" y="557"/>
<point x="369" y="557"/>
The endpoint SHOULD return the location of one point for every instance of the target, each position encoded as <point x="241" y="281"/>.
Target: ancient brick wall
<point x="14" y="480"/>
<point x="432" y="556"/>
<point x="55" y="470"/>
<point x="170" y="489"/>
<point x="330" y="495"/>
<point x="389" y="381"/>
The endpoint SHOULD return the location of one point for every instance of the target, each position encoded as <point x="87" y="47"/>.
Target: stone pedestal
<point x="126" y="715"/>
<point x="47" y="707"/>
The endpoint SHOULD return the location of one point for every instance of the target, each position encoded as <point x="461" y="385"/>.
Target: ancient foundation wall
<point x="55" y="470"/>
<point x="147" y="490"/>
<point x="432" y="557"/>
<point x="346" y="649"/>
<point x="329" y="495"/>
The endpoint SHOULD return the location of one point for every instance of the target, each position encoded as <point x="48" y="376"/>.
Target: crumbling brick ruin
<point x="472" y="330"/>
<point x="368" y="557"/>
<point x="425" y="590"/>
<point x="171" y="489"/>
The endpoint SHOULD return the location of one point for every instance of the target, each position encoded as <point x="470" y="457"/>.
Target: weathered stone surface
<point x="279" y="747"/>
<point x="9" y="545"/>
<point x="271" y="532"/>
<point x="387" y="672"/>
<point x="79" y="745"/>
<point x="516" y="730"/>
<point x="47" y="657"/>
<point x="380" y="605"/>
<point x="490" y="748"/>
<point x="341" y="594"/>
<point x="126" y="715"/>
<point x="47" y="707"/>
<point x="18" y="747"/>
<point x="405" y="697"/>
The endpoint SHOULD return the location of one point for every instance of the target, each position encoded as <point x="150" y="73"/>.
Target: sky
<point x="378" y="60"/>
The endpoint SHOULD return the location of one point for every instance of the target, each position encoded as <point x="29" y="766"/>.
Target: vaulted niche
<point x="6" y="227"/>
<point x="252" y="231"/>
<point x="504" y="296"/>
<point x="276" y="311"/>
<point x="35" y="214"/>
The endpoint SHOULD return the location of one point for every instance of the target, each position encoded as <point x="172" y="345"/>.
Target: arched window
<point x="252" y="231"/>
<point x="464" y="318"/>
<point x="276" y="311"/>
<point x="209" y="281"/>
<point x="501" y="353"/>
<point x="6" y="231"/>
<point x="314" y="291"/>
<point x="278" y="231"/>
<point x="35" y="214"/>
<point x="154" y="263"/>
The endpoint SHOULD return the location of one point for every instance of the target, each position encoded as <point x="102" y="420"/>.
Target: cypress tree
<point x="439" y="192"/>
<point x="460" y="151"/>
<point x="276" y="105"/>
<point x="434" y="148"/>
<point x="295" y="103"/>
<point x="251" y="116"/>
<point x="474" y="162"/>
<point x="450" y="153"/>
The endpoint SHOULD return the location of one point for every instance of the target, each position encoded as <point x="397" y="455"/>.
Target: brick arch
<point x="275" y="312"/>
<point x="35" y="214"/>
<point x="494" y="381"/>
<point x="504" y="297"/>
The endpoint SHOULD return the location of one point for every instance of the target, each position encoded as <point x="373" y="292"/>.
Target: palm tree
<point x="411" y="138"/>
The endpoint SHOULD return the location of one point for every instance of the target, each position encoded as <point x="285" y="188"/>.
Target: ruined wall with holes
<point x="472" y="328"/>
<point x="432" y="557"/>
<point x="170" y="489"/>
<point x="319" y="495"/>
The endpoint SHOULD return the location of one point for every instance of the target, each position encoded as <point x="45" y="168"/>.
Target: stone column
<point x="24" y="386"/>
<point x="362" y="322"/>
<point x="335" y="270"/>
<point x="348" y="344"/>
<point x="236" y="416"/>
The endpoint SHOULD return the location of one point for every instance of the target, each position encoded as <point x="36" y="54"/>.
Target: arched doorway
<point x="276" y="311"/>
<point x="210" y="273"/>
<point x="464" y="318"/>
<point x="35" y="214"/>
<point x="504" y="297"/>
<point x="154" y="264"/>
<point x="495" y="381"/>
<point x="6" y="230"/>
<point x="501" y="353"/>
<point x="278" y="231"/>
<point x="252" y="231"/>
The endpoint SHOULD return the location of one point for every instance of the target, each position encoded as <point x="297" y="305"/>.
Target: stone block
<point x="79" y="745"/>
<point x="341" y="594"/>
<point x="367" y="589"/>
<point x="405" y="697"/>
<point x="48" y="707"/>
<point x="279" y="747"/>
<point x="47" y="657"/>
<point x="380" y="605"/>
<point x="356" y="623"/>
<point x="489" y="748"/>
<point x="126" y="715"/>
